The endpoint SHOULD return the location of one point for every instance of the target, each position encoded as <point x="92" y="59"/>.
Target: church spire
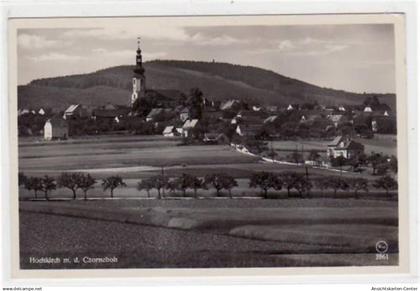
<point x="139" y="60"/>
<point x="139" y="78"/>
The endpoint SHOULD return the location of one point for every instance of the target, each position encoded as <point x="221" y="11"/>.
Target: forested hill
<point x="219" y="81"/>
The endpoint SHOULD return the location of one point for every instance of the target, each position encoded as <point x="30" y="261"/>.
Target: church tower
<point x="139" y="80"/>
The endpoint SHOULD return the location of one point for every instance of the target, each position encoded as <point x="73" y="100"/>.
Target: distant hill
<point x="219" y="81"/>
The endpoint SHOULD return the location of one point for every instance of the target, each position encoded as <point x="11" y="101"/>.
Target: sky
<point x="351" y="57"/>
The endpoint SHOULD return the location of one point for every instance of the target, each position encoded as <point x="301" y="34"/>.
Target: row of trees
<point x="71" y="181"/>
<point x="265" y="181"/>
<point x="299" y="182"/>
<point x="186" y="181"/>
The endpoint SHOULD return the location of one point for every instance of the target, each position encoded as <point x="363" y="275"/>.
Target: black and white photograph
<point x="208" y="142"/>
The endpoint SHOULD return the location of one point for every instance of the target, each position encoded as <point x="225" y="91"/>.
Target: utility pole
<point x="163" y="179"/>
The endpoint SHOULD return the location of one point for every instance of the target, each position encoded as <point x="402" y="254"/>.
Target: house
<point x="290" y="107"/>
<point x="170" y="131"/>
<point x="215" y="138"/>
<point x="75" y="111"/>
<point x="344" y="147"/>
<point x="56" y="128"/>
<point x="41" y="111"/>
<point x="188" y="126"/>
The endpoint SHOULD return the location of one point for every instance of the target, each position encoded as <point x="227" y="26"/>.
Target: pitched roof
<point x="71" y="108"/>
<point x="154" y="112"/>
<point x="271" y="118"/>
<point x="228" y="104"/>
<point x="169" y="129"/>
<point x="190" y="123"/>
<point x="336" y="141"/>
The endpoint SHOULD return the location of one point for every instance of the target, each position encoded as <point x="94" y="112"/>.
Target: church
<point x="162" y="98"/>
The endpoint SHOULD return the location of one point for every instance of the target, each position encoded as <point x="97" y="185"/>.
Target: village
<point x="309" y="134"/>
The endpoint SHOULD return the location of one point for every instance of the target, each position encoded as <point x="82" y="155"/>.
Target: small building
<point x="56" y="128"/>
<point x="41" y="111"/>
<point x="188" y="126"/>
<point x="170" y="131"/>
<point x="344" y="147"/>
<point x="75" y="111"/>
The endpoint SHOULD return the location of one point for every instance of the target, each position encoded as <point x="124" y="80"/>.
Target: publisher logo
<point x="381" y="249"/>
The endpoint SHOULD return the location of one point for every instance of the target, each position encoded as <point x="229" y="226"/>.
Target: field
<point x="210" y="231"/>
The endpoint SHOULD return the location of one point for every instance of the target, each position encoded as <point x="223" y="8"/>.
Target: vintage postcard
<point x="236" y="144"/>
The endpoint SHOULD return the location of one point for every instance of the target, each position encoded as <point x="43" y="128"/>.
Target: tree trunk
<point x="148" y="193"/>
<point x="46" y="195"/>
<point x="217" y="192"/>
<point x="184" y="192"/>
<point x="265" y="193"/>
<point x="85" y="192"/>
<point x="74" y="194"/>
<point x="195" y="193"/>
<point x="36" y="194"/>
<point x="230" y="193"/>
<point x="356" y="195"/>
<point x="159" y="196"/>
<point x="112" y="193"/>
